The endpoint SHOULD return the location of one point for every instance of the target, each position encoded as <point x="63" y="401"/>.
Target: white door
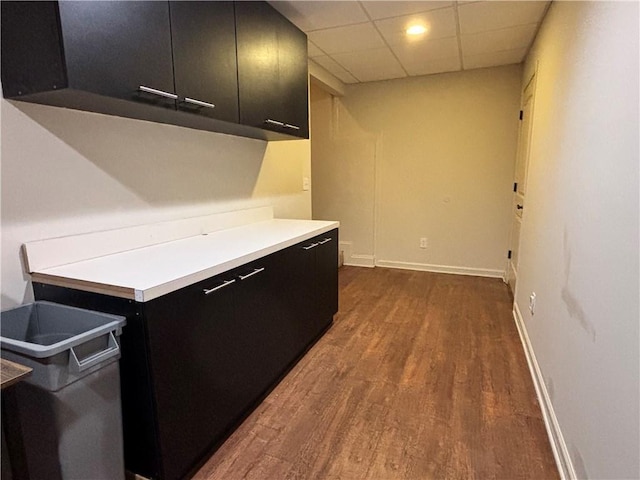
<point x="520" y="182"/>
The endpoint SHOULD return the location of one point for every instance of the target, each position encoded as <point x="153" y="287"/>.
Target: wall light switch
<point x="306" y="183"/>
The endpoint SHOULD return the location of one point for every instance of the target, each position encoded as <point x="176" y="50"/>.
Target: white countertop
<point x="146" y="273"/>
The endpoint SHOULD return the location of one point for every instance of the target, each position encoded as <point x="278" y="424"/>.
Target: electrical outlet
<point x="306" y="184"/>
<point x="532" y="303"/>
<point x="423" y="242"/>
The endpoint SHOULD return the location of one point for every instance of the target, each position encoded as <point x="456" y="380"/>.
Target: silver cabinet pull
<point x="255" y="272"/>
<point x="226" y="283"/>
<point x="199" y="103"/>
<point x="281" y="124"/>
<point x="160" y="93"/>
<point x="274" y="122"/>
<point x="324" y="241"/>
<point x="309" y="247"/>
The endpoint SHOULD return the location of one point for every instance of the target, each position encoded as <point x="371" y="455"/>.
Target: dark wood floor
<point x="421" y="376"/>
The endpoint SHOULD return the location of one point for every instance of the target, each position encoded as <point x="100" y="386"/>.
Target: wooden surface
<point x="421" y="376"/>
<point x="12" y="372"/>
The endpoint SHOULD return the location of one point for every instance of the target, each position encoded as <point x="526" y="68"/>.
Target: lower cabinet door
<point x="326" y="278"/>
<point x="196" y="353"/>
<point x="300" y="293"/>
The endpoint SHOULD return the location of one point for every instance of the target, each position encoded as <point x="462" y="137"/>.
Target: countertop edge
<point x="147" y="294"/>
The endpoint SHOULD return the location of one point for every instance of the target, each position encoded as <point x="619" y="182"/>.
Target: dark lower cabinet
<point x="193" y="354"/>
<point x="326" y="275"/>
<point x="196" y="361"/>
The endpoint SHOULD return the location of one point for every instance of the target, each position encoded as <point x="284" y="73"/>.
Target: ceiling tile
<point x="313" y="50"/>
<point x="378" y="10"/>
<point x="483" y="16"/>
<point x="495" y="59"/>
<point x="437" y="65"/>
<point x="309" y="15"/>
<point x="332" y="67"/>
<point x="440" y="23"/>
<point x="412" y="53"/>
<point x="497" y="40"/>
<point x="371" y="65"/>
<point x="352" y="38"/>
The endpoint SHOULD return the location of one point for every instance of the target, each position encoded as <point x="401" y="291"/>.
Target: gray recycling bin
<point x="69" y="407"/>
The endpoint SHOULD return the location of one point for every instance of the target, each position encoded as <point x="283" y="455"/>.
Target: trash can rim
<point x="44" y="351"/>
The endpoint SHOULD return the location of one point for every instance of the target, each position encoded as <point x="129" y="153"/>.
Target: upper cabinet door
<point x="272" y="70"/>
<point x="114" y="48"/>
<point x="204" y="56"/>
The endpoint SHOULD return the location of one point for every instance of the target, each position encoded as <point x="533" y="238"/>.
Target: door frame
<point x="511" y="270"/>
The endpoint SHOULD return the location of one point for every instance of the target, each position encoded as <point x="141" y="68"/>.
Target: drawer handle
<point x="199" y="103"/>
<point x="326" y="240"/>
<point x="519" y="207"/>
<point x="309" y="247"/>
<point x="225" y="284"/>
<point x="160" y="93"/>
<point x="255" y="272"/>
<point x="274" y="122"/>
<point x="294" y="127"/>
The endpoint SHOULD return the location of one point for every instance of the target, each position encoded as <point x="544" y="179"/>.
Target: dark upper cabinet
<point x="32" y="59"/>
<point x="168" y="62"/>
<point x="204" y="57"/>
<point x="61" y="53"/>
<point x="115" y="48"/>
<point x="272" y="70"/>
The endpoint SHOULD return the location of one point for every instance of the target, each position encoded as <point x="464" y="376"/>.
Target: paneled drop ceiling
<point x="363" y="41"/>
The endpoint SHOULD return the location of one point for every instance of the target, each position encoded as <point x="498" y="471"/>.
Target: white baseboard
<point x="558" y="445"/>
<point x="354" y="259"/>
<point x="360" y="261"/>
<point x="425" y="267"/>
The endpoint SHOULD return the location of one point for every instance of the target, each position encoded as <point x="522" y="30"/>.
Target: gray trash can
<point x="69" y="407"/>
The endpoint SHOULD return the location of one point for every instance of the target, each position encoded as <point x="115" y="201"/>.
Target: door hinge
<point x="515" y="186"/>
<point x="509" y="254"/>
<point x="521" y="114"/>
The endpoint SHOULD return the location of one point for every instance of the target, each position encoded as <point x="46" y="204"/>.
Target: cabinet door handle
<point x="199" y="103"/>
<point x="255" y="272"/>
<point x="324" y="241"/>
<point x="274" y="122"/>
<point x="226" y="283"/>
<point x="309" y="247"/>
<point x="519" y="207"/>
<point x="160" y="93"/>
<point x="271" y="121"/>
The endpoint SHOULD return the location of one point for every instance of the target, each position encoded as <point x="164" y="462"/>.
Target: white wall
<point x="420" y="157"/>
<point x="579" y="244"/>
<point x="66" y="172"/>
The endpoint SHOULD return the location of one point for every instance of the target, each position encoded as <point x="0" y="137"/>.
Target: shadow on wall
<point x="92" y="162"/>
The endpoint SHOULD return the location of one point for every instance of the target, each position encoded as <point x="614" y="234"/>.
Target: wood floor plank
<point x="421" y="376"/>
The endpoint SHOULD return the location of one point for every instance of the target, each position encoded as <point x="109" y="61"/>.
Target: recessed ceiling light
<point x="416" y="30"/>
